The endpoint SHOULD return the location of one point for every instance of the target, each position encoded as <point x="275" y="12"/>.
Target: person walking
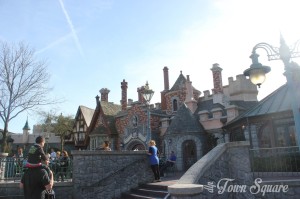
<point x="154" y="161"/>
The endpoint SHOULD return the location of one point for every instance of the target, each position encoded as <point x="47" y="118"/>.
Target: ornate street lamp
<point x="148" y="94"/>
<point x="257" y="72"/>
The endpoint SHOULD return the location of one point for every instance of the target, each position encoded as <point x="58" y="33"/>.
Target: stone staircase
<point x="148" y="191"/>
<point x="157" y="190"/>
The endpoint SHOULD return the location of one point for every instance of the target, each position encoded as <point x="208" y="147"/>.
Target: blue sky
<point x="95" y="44"/>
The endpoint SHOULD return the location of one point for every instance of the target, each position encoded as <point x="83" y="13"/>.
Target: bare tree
<point x="23" y="83"/>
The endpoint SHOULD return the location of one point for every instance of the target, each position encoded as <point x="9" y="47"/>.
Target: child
<point x="36" y="153"/>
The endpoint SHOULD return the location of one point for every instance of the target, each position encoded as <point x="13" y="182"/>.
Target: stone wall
<point x="63" y="190"/>
<point x="228" y="160"/>
<point x="106" y="174"/>
<point x="230" y="163"/>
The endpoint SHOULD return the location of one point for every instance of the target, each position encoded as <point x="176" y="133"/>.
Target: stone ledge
<point x="97" y="152"/>
<point x="200" y="167"/>
<point x="185" y="189"/>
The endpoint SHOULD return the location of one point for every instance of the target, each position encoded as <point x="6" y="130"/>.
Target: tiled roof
<point x="184" y="121"/>
<point x="244" y="104"/>
<point x="276" y="102"/>
<point x="87" y="114"/>
<point x="110" y="108"/>
<point x="208" y="105"/>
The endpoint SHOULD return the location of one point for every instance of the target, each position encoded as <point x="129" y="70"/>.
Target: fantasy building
<point x="184" y="121"/>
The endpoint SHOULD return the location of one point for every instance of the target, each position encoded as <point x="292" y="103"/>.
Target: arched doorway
<point x="135" y="145"/>
<point x="189" y="153"/>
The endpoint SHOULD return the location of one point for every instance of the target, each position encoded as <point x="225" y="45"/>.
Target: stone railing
<point x="106" y="174"/>
<point x="227" y="160"/>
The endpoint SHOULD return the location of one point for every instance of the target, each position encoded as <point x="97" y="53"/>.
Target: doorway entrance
<point x="189" y="153"/>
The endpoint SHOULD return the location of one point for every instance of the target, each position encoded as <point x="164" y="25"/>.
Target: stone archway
<point x="179" y="150"/>
<point x="135" y="145"/>
<point x="189" y="153"/>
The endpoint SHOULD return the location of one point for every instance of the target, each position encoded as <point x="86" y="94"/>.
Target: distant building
<point x="26" y="139"/>
<point x="82" y="122"/>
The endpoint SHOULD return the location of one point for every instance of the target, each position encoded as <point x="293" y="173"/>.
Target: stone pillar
<point x="104" y="94"/>
<point x="3" y="160"/>
<point x="124" y="94"/>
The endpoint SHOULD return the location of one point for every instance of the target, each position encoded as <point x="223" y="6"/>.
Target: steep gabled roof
<point x="276" y="102"/>
<point x="110" y="108"/>
<point x="180" y="83"/>
<point x="87" y="114"/>
<point x="184" y="121"/>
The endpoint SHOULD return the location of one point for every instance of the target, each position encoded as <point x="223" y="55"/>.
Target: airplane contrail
<point x="72" y="28"/>
<point x="58" y="41"/>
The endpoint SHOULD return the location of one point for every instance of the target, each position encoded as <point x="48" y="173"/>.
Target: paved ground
<point x="170" y="179"/>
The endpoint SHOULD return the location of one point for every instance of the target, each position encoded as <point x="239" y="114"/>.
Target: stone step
<point x="137" y="196"/>
<point x="147" y="191"/>
<point x="154" y="186"/>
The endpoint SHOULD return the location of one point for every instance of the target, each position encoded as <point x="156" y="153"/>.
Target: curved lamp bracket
<point x="272" y="52"/>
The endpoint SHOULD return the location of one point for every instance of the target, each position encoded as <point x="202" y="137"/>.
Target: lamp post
<point x="147" y="94"/>
<point x="257" y="72"/>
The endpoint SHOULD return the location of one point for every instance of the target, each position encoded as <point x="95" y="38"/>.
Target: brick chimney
<point x="166" y="85"/>
<point x="217" y="78"/>
<point x="97" y="100"/>
<point x="124" y="94"/>
<point x="141" y="98"/>
<point x="104" y="94"/>
<point x="166" y="78"/>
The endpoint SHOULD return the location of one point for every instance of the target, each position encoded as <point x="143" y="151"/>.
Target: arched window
<point x="175" y="105"/>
